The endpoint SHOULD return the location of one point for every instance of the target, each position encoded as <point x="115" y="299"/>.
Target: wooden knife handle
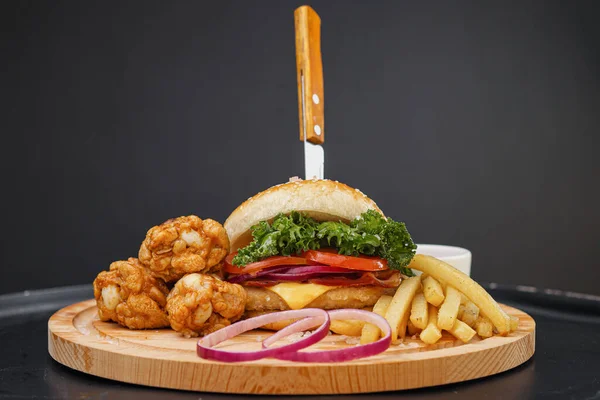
<point x="310" y="67"/>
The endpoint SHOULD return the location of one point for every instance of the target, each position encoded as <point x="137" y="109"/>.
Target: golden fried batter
<point x="184" y="245"/>
<point x="129" y="295"/>
<point x="200" y="304"/>
<point x="260" y="299"/>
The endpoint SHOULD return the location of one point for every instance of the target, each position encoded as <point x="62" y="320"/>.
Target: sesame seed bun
<point x="322" y="199"/>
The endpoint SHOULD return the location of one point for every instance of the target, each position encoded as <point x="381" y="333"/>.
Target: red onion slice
<point x="291" y="273"/>
<point x="345" y="354"/>
<point x="318" y="269"/>
<point x="285" y="276"/>
<point x="311" y="317"/>
<point x="244" y="277"/>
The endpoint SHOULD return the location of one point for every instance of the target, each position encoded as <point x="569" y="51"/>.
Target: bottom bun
<point x="260" y="299"/>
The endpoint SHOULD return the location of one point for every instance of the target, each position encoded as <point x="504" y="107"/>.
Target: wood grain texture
<point x="309" y="69"/>
<point x="163" y="358"/>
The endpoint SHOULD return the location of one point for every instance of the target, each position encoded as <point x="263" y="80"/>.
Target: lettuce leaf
<point x="370" y="234"/>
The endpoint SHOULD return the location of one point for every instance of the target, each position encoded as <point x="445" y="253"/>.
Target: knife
<point x="309" y="73"/>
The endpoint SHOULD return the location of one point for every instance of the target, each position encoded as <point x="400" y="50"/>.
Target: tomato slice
<point x="361" y="263"/>
<point x="254" y="267"/>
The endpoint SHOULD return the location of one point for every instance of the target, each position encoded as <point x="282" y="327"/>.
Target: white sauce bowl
<point x="458" y="257"/>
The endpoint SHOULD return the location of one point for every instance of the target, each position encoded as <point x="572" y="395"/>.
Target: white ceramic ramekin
<point x="458" y="257"/>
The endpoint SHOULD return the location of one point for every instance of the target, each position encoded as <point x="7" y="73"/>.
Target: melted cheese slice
<point x="299" y="295"/>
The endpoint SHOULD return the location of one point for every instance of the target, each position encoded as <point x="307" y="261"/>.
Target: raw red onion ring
<point x="315" y="316"/>
<point x="345" y="354"/>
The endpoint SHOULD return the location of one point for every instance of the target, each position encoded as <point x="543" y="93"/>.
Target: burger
<point x="315" y="244"/>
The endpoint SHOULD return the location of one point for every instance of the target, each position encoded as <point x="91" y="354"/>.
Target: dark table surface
<point x="566" y="364"/>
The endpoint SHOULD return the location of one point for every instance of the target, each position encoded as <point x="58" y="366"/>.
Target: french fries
<point x="411" y="329"/>
<point x="398" y="311"/>
<point x="449" y="309"/>
<point x="463" y="299"/>
<point x="514" y="323"/>
<point x="468" y="313"/>
<point x="484" y="327"/>
<point x="434" y="294"/>
<point x="349" y="327"/>
<point x="431" y="334"/>
<point x="371" y="333"/>
<point x="419" y="312"/>
<point x="449" y="301"/>
<point x="455" y="278"/>
<point x="462" y="331"/>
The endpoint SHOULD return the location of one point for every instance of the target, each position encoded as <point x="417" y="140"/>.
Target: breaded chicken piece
<point x="129" y="295"/>
<point x="184" y="245"/>
<point x="200" y="304"/>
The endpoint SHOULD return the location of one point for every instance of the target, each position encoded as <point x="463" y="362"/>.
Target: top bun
<point x="322" y="199"/>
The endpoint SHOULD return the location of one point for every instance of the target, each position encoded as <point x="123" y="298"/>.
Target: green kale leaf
<point x="286" y="235"/>
<point x="370" y="234"/>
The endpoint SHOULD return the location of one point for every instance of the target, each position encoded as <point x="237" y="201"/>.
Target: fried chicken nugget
<point x="201" y="304"/>
<point x="184" y="245"/>
<point x="129" y="295"/>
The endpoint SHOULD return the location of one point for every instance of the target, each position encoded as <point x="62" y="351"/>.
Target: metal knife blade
<point x="314" y="161"/>
<point x="314" y="154"/>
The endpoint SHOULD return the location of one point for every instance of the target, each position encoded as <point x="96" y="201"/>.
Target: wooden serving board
<point x="163" y="358"/>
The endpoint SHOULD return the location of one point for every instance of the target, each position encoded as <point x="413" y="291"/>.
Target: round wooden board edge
<point x="426" y="369"/>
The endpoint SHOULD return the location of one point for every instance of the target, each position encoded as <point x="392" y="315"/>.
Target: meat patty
<point x="260" y="299"/>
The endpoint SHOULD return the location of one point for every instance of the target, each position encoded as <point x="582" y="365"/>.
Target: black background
<point x="476" y="124"/>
